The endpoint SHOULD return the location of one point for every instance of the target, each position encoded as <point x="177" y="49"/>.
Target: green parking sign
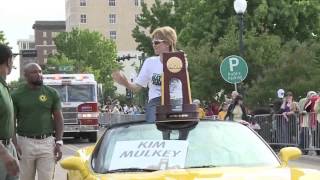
<point x="234" y="69"/>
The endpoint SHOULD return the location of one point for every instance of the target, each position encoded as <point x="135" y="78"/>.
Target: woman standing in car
<point x="164" y="40"/>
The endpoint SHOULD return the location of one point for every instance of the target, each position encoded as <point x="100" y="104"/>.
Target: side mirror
<point x="75" y="163"/>
<point x="289" y="153"/>
<point x="72" y="163"/>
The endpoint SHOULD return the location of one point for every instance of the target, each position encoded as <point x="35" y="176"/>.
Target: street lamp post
<point x="240" y="7"/>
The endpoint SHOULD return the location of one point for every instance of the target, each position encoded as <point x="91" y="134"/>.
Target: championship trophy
<point x="175" y="106"/>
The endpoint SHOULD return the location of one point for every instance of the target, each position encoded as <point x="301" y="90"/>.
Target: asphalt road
<point x="68" y="149"/>
<point x="72" y="145"/>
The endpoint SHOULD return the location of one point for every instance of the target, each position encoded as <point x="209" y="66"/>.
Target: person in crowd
<point x="209" y="111"/>
<point x="39" y="125"/>
<point x="289" y="106"/>
<point x="278" y="102"/>
<point x="131" y="110"/>
<point x="317" y="125"/>
<point x="164" y="39"/>
<point x="304" y="118"/>
<point x="201" y="113"/>
<point x="236" y="110"/>
<point x="116" y="109"/>
<point x="286" y="123"/>
<point x="215" y="107"/>
<point x="223" y="111"/>
<point x="125" y="109"/>
<point x="234" y="94"/>
<point x="9" y="165"/>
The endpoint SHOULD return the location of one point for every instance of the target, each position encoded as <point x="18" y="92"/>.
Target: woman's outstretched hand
<point x="119" y="77"/>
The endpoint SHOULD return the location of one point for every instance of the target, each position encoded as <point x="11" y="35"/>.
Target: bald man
<point x="39" y="125"/>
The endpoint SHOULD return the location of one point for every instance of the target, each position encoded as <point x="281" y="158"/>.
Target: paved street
<point x="71" y="146"/>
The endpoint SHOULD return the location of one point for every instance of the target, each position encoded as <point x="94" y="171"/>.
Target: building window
<point x="113" y="35"/>
<point x="54" y="34"/>
<point x="45" y="60"/>
<point x="44" y="42"/>
<point x="83" y="18"/>
<point x="112" y="18"/>
<point x="44" y="34"/>
<point x="141" y="2"/>
<point x="112" y="2"/>
<point x="45" y="52"/>
<point x="83" y="2"/>
<point x="136" y="2"/>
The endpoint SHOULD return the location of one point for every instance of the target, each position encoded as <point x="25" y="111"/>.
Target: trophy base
<point x="166" y="114"/>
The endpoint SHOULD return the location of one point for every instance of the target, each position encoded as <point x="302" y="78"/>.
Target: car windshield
<point x="209" y="144"/>
<point x="76" y="93"/>
<point x="81" y="93"/>
<point x="61" y="90"/>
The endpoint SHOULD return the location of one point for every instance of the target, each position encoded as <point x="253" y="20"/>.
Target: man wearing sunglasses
<point x="164" y="40"/>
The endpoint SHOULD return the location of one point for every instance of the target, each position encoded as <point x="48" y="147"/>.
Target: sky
<point x="18" y="16"/>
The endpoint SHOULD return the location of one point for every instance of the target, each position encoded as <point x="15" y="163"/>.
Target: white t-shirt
<point x="150" y="76"/>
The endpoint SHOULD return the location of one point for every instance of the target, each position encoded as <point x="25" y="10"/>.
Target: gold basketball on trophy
<point x="174" y="64"/>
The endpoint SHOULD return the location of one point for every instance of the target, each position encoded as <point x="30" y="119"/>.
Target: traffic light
<point x="124" y="57"/>
<point x="29" y="53"/>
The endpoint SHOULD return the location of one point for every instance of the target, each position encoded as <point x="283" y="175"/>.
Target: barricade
<point x="213" y="117"/>
<point x="106" y="119"/>
<point x="301" y="130"/>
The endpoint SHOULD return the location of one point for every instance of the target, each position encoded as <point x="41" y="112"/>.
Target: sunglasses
<point x="157" y="41"/>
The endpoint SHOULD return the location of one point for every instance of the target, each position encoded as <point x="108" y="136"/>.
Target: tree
<point x="296" y="70"/>
<point x="285" y="18"/>
<point x="160" y="14"/>
<point x="88" y="52"/>
<point x="208" y="32"/>
<point x="55" y="62"/>
<point x="2" y="38"/>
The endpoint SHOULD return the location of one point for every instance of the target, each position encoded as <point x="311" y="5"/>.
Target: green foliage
<point x="87" y="52"/>
<point x="55" y="62"/>
<point x="2" y="38"/>
<point x="285" y="18"/>
<point x="160" y="14"/>
<point x="296" y="70"/>
<point x="15" y="84"/>
<point x="281" y="41"/>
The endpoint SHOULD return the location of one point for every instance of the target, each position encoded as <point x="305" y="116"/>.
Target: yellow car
<point x="205" y="150"/>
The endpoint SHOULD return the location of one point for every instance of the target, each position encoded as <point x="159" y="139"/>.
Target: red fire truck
<point x="79" y="101"/>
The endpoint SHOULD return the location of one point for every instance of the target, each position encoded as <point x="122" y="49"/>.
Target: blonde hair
<point x="166" y="33"/>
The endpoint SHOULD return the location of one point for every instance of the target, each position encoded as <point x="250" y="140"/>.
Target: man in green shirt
<point x="39" y="117"/>
<point x="9" y="166"/>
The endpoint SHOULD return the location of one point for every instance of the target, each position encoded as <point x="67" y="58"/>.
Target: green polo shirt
<point x="34" y="109"/>
<point x="6" y="111"/>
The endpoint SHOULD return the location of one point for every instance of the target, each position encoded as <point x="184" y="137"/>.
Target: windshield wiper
<point x="131" y="170"/>
<point x="206" y="166"/>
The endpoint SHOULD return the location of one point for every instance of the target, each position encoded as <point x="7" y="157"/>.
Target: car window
<point x="209" y="144"/>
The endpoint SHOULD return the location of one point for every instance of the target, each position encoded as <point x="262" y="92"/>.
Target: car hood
<point x="230" y="173"/>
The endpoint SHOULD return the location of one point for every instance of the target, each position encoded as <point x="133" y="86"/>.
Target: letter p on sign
<point x="233" y="69"/>
<point x="233" y="62"/>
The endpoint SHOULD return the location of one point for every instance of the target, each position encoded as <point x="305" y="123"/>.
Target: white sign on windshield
<point x="149" y="154"/>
